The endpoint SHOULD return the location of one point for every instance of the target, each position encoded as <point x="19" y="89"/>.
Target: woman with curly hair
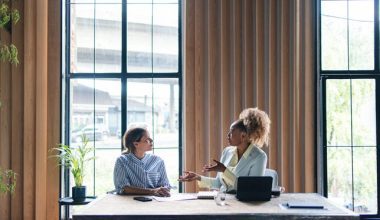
<point x="243" y="157"/>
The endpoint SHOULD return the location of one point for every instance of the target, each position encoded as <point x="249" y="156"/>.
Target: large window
<point x="350" y="76"/>
<point x="122" y="69"/>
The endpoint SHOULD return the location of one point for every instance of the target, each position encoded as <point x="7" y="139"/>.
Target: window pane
<point x="165" y="1"/>
<point x="165" y="97"/>
<point x="334" y="35"/>
<point x="361" y="35"/>
<point x="82" y="38"/>
<point x="140" y="109"/>
<point x="82" y="111"/>
<point x="108" y="38"/>
<point x="363" y="112"/>
<point x="95" y="112"/>
<point x="165" y="38"/>
<point x="339" y="183"/>
<point x="105" y="162"/>
<point x="139" y="38"/>
<point x="170" y="156"/>
<point x="108" y="112"/>
<point x="365" y="183"/>
<point x="338" y="113"/>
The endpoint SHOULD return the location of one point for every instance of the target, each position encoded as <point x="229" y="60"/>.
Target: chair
<point x="273" y="174"/>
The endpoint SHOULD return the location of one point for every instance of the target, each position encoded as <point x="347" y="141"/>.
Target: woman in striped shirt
<point x="139" y="173"/>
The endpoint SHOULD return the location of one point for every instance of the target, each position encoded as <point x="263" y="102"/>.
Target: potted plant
<point x="75" y="160"/>
<point x="7" y="181"/>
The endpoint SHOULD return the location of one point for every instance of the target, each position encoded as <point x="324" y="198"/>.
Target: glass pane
<point x="108" y="113"/>
<point x="110" y="2"/>
<point x="361" y="35"/>
<point x="82" y="1"/>
<point x="170" y="156"/>
<point x="365" y="183"/>
<point x="165" y="1"/>
<point x="140" y="1"/>
<point x="334" y="35"/>
<point x="105" y="162"/>
<point x="139" y="38"/>
<point x="339" y="184"/>
<point x="82" y="38"/>
<point x="338" y="113"/>
<point x="140" y="109"/>
<point x="165" y="38"/>
<point x="165" y="98"/>
<point x="363" y="112"/>
<point x="108" y="38"/>
<point x="81" y="110"/>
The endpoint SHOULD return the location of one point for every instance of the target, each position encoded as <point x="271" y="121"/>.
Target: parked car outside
<point x="97" y="133"/>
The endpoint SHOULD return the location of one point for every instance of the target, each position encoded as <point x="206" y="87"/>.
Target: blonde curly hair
<point x="257" y="124"/>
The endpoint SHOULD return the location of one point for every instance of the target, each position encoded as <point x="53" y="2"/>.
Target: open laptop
<point x="254" y="188"/>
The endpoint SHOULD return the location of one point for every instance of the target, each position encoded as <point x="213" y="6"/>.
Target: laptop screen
<point x="254" y="188"/>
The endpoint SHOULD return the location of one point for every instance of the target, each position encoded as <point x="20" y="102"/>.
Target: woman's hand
<point x="218" y="167"/>
<point x="189" y="176"/>
<point x="161" y="191"/>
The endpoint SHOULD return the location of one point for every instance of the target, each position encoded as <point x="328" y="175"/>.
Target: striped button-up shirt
<point x="149" y="172"/>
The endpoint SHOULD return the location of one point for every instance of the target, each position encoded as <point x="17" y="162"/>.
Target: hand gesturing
<point x="189" y="176"/>
<point x="218" y="167"/>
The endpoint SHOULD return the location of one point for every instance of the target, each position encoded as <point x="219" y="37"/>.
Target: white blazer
<point x="252" y="165"/>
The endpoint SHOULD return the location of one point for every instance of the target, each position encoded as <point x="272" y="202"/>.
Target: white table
<point x="124" y="207"/>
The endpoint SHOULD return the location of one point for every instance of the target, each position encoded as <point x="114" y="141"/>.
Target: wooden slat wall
<point x="30" y="115"/>
<point x="246" y="53"/>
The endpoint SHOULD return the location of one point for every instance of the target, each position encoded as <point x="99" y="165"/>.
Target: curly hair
<point x="257" y="124"/>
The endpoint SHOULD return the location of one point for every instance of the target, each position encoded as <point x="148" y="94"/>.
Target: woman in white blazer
<point x="243" y="157"/>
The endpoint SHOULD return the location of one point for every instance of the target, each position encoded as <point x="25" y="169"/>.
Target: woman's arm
<point x="160" y="191"/>
<point x="164" y="181"/>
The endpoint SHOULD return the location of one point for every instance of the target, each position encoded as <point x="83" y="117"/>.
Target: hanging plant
<point x="8" y="16"/>
<point x="7" y="181"/>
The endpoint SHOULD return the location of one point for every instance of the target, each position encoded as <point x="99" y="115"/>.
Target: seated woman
<point x="139" y="173"/>
<point x="243" y="158"/>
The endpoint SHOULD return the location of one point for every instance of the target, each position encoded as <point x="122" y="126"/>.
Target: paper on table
<point x="175" y="197"/>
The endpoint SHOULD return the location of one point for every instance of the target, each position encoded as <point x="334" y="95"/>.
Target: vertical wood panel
<point x="248" y="53"/>
<point x="310" y="182"/>
<point x="272" y="162"/>
<point x="189" y="93"/>
<point x="237" y="57"/>
<point x="259" y="84"/>
<point x="29" y="110"/>
<point x="296" y="87"/>
<point x="285" y="129"/>
<point x="213" y="80"/>
<point x="199" y="84"/>
<point x="18" y="115"/>
<point x="41" y="109"/>
<point x="54" y="107"/>
<point x="5" y="124"/>
<point x="225" y="68"/>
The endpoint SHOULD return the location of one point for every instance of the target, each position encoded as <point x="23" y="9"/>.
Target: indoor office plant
<point x="75" y="160"/>
<point x="7" y="181"/>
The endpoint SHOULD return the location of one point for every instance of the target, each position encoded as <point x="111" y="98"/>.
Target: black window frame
<point x="123" y="76"/>
<point x="322" y="77"/>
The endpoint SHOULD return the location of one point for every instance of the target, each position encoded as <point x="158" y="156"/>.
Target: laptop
<point x="254" y="188"/>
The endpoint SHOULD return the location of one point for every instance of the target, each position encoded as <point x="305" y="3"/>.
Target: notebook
<point x="206" y="194"/>
<point x="254" y="188"/>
